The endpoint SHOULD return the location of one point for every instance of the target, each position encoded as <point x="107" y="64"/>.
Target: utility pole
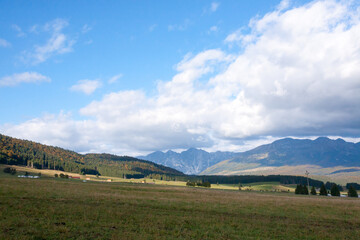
<point x="307" y="177"/>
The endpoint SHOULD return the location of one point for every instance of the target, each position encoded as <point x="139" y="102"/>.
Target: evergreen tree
<point x="335" y="190"/>
<point x="323" y="191"/>
<point x="305" y="190"/>
<point x="301" y="189"/>
<point x="352" y="192"/>
<point x="313" y="191"/>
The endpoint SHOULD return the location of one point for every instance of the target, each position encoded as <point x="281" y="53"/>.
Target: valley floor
<point x="50" y="208"/>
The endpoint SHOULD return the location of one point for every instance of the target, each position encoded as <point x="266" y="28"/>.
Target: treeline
<point x="135" y="176"/>
<point x="283" y="179"/>
<point x="334" y="190"/>
<point x="243" y="179"/>
<point x="170" y="177"/>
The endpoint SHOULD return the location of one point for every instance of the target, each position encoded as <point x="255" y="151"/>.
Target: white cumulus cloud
<point x="179" y="27"/>
<point x="25" y="77"/>
<point x="86" y="28"/>
<point x="152" y="27"/>
<point x="86" y="86"/>
<point x="114" y="79"/>
<point x="20" y="32"/>
<point x="213" y="29"/>
<point x="214" y="6"/>
<point x="58" y="43"/>
<point x="4" y="43"/>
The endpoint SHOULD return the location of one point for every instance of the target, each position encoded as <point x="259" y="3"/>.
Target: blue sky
<point x="129" y="77"/>
<point x="141" y="40"/>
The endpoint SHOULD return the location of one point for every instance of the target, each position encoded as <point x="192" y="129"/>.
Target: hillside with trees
<point x="35" y="155"/>
<point x="110" y="165"/>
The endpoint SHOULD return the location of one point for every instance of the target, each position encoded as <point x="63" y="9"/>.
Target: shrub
<point x="190" y="184"/>
<point x="62" y="175"/>
<point x="10" y="170"/>
<point x="206" y="184"/>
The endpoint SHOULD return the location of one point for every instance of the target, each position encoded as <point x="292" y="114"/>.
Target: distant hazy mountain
<point x="322" y="155"/>
<point x="191" y="161"/>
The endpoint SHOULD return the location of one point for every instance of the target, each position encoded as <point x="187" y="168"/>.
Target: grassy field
<point x="50" y="208"/>
<point x="266" y="186"/>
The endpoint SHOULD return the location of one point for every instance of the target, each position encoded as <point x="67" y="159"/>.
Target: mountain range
<point x="322" y="156"/>
<point x="192" y="161"/>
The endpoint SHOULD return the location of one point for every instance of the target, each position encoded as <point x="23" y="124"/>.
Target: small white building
<point x="27" y="176"/>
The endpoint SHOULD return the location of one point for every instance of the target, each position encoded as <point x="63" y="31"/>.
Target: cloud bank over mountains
<point x="292" y="72"/>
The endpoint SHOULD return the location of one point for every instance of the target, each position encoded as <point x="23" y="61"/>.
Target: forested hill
<point x="109" y="164"/>
<point x="27" y="153"/>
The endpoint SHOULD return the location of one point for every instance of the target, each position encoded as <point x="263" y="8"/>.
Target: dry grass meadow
<point x="49" y="208"/>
